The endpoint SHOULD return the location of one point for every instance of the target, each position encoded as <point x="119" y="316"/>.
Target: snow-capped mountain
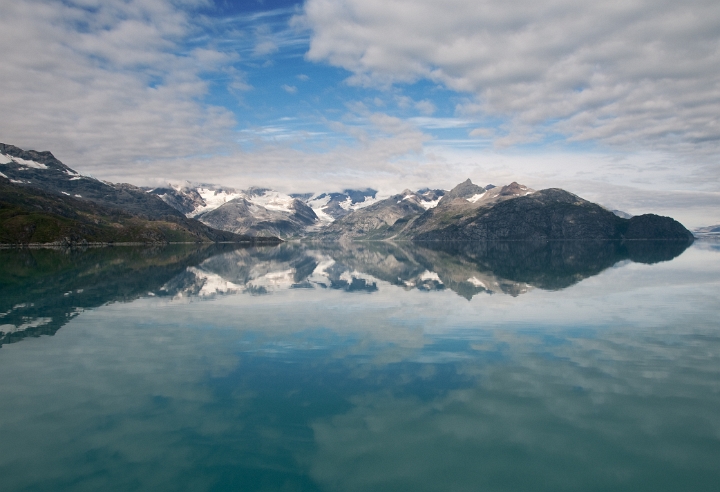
<point x="331" y="206"/>
<point x="262" y="210"/>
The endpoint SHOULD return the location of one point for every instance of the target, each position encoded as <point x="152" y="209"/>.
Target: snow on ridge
<point x="1" y="174"/>
<point x="5" y="159"/>
<point x="273" y="200"/>
<point x="213" y="199"/>
<point x="24" y="162"/>
<point x="346" y="204"/>
<point x="365" y="203"/>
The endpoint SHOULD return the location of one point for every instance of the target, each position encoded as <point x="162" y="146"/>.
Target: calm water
<point x="366" y="367"/>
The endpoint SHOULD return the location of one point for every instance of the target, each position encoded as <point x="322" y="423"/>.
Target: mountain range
<point x="84" y="208"/>
<point x="44" y="201"/>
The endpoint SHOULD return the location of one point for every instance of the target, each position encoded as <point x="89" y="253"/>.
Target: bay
<point x="361" y="366"/>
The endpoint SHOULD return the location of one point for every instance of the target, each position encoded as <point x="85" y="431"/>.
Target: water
<point x="368" y="366"/>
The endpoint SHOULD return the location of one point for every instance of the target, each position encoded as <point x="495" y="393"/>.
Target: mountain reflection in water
<point x="356" y="367"/>
<point x="41" y="290"/>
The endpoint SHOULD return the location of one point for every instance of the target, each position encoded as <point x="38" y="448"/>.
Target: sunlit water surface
<point x="367" y="367"/>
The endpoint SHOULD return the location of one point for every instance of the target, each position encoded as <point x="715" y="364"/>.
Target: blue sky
<point x="617" y="102"/>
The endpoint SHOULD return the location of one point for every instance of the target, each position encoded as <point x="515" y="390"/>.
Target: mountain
<point x="409" y="213"/>
<point x="551" y="214"/>
<point x="44" y="201"/>
<point x="466" y="212"/>
<point x="459" y="204"/>
<point x="262" y="213"/>
<point x="43" y="171"/>
<point x="261" y="210"/>
<point x="470" y="212"/>
<point x="332" y="206"/>
<point x="377" y="220"/>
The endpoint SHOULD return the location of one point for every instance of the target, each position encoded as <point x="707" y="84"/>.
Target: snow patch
<point x="4" y="159"/>
<point x="64" y="193"/>
<point x="322" y="216"/>
<point x="1" y="174"/>
<point x="430" y="204"/>
<point x="213" y="199"/>
<point x="347" y="204"/>
<point x="475" y="198"/>
<point x="273" y="200"/>
<point x="75" y="178"/>
<point x="32" y="164"/>
<point x="365" y="203"/>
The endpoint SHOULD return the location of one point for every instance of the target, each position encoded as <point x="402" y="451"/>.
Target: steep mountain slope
<point x="44" y="201"/>
<point x="43" y="171"/>
<point x="29" y="215"/>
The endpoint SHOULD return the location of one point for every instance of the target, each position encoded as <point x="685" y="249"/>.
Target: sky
<point x="617" y="101"/>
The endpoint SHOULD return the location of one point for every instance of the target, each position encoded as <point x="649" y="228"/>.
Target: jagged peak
<point x="466" y="189"/>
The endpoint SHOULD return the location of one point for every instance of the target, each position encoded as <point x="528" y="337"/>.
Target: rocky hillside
<point x="44" y="201"/>
<point x="378" y="221"/>
<point x="289" y="218"/>
<point x="32" y="216"/>
<point x="552" y="214"/>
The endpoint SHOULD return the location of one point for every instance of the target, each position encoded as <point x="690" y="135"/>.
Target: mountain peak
<point x="515" y="189"/>
<point x="466" y="189"/>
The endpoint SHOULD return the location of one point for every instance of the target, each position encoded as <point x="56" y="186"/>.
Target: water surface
<point x="365" y="366"/>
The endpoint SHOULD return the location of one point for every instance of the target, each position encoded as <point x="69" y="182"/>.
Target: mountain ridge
<point x="467" y="212"/>
<point x="43" y="201"/>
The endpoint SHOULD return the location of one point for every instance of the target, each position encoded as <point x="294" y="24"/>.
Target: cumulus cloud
<point x="105" y="82"/>
<point x="641" y="74"/>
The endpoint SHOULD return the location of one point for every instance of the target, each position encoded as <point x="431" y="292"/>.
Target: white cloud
<point x="265" y="48"/>
<point x="106" y="85"/>
<point x="290" y="89"/>
<point x="640" y="74"/>
<point x="425" y="107"/>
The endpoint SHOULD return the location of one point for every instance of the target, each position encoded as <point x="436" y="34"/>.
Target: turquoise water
<point x="359" y="367"/>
